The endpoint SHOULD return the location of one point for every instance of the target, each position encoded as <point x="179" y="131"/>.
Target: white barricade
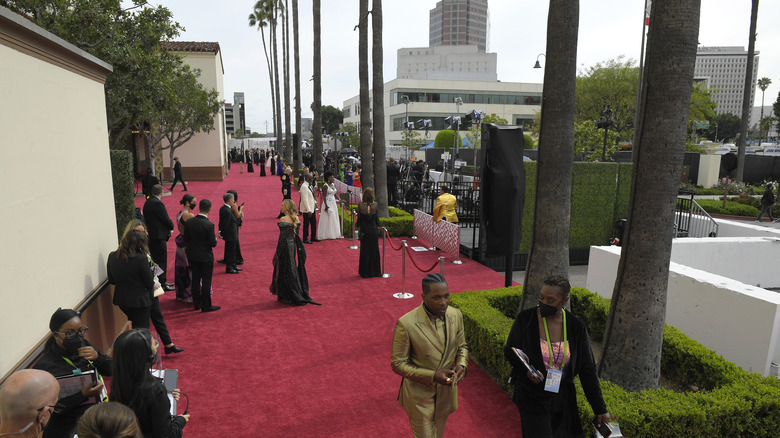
<point x="443" y="235"/>
<point x="356" y="193"/>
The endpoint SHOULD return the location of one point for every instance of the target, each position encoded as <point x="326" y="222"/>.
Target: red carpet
<point x="257" y="368"/>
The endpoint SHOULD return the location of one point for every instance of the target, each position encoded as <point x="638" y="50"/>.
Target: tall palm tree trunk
<point x="380" y="166"/>
<point x="631" y="356"/>
<point x="317" y="61"/>
<point x="275" y="56"/>
<point x="549" y="252"/>
<point x="743" y="130"/>
<point x="288" y="140"/>
<point x="297" y="59"/>
<point x="366" y="151"/>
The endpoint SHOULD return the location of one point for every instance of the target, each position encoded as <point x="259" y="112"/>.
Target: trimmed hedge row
<point x="124" y="189"/>
<point x="730" y="401"/>
<point x="599" y="196"/>
<point x="715" y="206"/>
<point x="400" y="223"/>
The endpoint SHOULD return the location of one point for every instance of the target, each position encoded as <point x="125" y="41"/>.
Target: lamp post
<point x="604" y="123"/>
<point x="537" y="65"/>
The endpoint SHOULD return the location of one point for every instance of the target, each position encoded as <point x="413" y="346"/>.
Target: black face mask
<point x="72" y="345"/>
<point x="192" y="206"/>
<point x="546" y="310"/>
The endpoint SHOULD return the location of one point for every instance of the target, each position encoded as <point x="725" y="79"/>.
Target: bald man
<point x="27" y="399"/>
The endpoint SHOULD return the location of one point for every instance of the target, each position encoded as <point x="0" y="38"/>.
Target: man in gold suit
<point x="430" y="353"/>
<point x="446" y="206"/>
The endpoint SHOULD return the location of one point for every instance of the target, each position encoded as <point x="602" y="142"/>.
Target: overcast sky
<point x="608" y="29"/>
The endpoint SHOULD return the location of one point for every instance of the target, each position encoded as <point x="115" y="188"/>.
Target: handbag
<point x="158" y="290"/>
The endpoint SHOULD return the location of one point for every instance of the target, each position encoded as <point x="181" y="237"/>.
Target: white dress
<point x="328" y="226"/>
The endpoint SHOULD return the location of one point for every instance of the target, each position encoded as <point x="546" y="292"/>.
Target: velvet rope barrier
<point x="421" y="269"/>
<point x="391" y="242"/>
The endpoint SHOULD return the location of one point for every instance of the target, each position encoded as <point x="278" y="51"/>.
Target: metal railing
<point x="691" y="220"/>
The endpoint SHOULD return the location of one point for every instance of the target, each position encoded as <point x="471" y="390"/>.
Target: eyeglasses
<point x="70" y="334"/>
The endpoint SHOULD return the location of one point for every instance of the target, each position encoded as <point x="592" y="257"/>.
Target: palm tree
<point x="275" y="58"/>
<point x="260" y="17"/>
<point x="746" y="94"/>
<point x="549" y="251"/>
<point x="763" y="84"/>
<point x="366" y="152"/>
<point x="380" y="167"/>
<point x="288" y="140"/>
<point x="631" y="356"/>
<point x="297" y="59"/>
<point x="317" y="67"/>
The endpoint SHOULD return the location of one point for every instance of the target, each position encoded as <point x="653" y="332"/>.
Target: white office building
<point x="724" y="69"/>
<point x="518" y="103"/>
<point x="465" y="63"/>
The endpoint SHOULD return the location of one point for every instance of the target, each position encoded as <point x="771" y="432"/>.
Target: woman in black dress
<point x="272" y="164"/>
<point x="129" y="272"/>
<point x="66" y="351"/>
<point x="289" y="282"/>
<point x="368" y="223"/>
<point x="248" y="159"/>
<point x="133" y="385"/>
<point x="262" y="163"/>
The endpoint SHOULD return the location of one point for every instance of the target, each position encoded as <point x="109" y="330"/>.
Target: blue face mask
<point x="546" y="310"/>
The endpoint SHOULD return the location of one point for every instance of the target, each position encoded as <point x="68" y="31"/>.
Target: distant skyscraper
<point x="239" y="112"/>
<point x="724" y="69"/>
<point x="460" y="22"/>
<point x="229" y="121"/>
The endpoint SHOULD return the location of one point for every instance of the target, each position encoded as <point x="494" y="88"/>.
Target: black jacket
<point x="768" y="198"/>
<point x="132" y="279"/>
<point x="228" y="224"/>
<point x="158" y="223"/>
<point x="177" y="169"/>
<point x="155" y="419"/>
<point x="532" y="398"/>
<point x="393" y="173"/>
<point x="200" y="238"/>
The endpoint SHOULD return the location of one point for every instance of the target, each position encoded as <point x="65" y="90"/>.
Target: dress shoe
<point x="173" y="349"/>
<point x="315" y="240"/>
<point x="232" y="271"/>
<point x="238" y="269"/>
<point x="240" y="263"/>
<point x="197" y="308"/>
<point x="184" y="190"/>
<point x="168" y="288"/>
<point x="307" y="241"/>
<point x="211" y="309"/>
<point x="221" y="261"/>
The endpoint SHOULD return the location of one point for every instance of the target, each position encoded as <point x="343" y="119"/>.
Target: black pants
<point x="392" y="193"/>
<point x="159" y="251"/>
<point x="309" y="220"/>
<point x="176" y="179"/>
<point x="159" y="322"/>
<point x="201" y="282"/>
<point x="765" y="209"/>
<point x="238" y="257"/>
<point x="139" y="316"/>
<point x="230" y="253"/>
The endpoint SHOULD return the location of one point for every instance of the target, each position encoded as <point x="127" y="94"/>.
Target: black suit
<point x="147" y="181"/>
<point x="177" y="176"/>
<point x="200" y="238"/>
<point x="159" y="226"/>
<point x="133" y="285"/>
<point x="393" y="173"/>
<point x="228" y="229"/>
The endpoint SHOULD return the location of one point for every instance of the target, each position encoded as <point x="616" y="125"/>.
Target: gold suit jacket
<point x="446" y="206"/>
<point x="418" y="352"/>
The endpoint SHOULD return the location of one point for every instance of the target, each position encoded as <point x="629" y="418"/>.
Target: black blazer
<point x="132" y="279"/>
<point x="200" y="238"/>
<point x="177" y="169"/>
<point x="228" y="224"/>
<point x="158" y="223"/>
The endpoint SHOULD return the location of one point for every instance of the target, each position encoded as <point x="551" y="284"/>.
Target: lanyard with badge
<point x="77" y="372"/>
<point x="553" y="381"/>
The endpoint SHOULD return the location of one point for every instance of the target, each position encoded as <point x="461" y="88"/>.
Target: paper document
<point x="524" y="359"/>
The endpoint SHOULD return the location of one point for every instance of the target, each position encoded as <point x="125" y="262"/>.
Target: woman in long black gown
<point x="248" y="159"/>
<point x="273" y="163"/>
<point x="290" y="283"/>
<point x="368" y="222"/>
<point x="262" y="163"/>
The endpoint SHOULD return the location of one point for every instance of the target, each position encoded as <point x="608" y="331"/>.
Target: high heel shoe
<point x="173" y="349"/>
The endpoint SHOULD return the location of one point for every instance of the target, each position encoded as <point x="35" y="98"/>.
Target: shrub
<point x="529" y="141"/>
<point x="730" y="186"/>
<point x="445" y="139"/>
<point x="730" y="401"/>
<point x="714" y="206"/>
<point x="124" y="189"/>
<point x="400" y="223"/>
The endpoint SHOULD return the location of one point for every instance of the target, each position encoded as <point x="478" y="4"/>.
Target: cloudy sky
<point x="608" y="29"/>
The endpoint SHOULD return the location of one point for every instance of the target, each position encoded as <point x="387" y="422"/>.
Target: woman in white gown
<point x="328" y="226"/>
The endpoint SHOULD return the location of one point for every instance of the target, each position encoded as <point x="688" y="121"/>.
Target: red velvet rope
<point x="418" y="267"/>
<point x="391" y="241"/>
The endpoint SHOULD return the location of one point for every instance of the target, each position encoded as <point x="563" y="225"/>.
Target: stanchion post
<point x="384" y="241"/>
<point x="353" y="246"/>
<point x="441" y="263"/>
<point x="343" y="212"/>
<point x="433" y="236"/>
<point x="403" y="294"/>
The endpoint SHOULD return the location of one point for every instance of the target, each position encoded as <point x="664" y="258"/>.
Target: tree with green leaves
<point x="589" y="141"/>
<point x="763" y="84"/>
<point x="332" y="118"/>
<point x="261" y="17"/>
<point x="702" y="107"/>
<point x="614" y="83"/>
<point x="723" y="126"/>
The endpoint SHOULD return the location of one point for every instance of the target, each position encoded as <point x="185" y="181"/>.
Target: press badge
<point x="553" y="382"/>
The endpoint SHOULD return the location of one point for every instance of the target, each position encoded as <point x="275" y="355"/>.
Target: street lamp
<point x="537" y="65"/>
<point x="604" y="123"/>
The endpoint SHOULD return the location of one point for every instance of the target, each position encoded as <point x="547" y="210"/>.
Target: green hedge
<point x="599" y="197"/>
<point x="715" y="206"/>
<point x="124" y="189"/>
<point x="400" y="223"/>
<point x="730" y="402"/>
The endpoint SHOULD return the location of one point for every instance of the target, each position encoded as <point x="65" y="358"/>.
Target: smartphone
<point x="242" y="204"/>
<point x="605" y="430"/>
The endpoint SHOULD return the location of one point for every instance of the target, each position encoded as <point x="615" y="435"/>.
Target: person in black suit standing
<point x="200" y="238"/>
<point x="160" y="227"/>
<point x="177" y="174"/>
<point x="393" y="173"/>
<point x="228" y="230"/>
<point x="147" y="181"/>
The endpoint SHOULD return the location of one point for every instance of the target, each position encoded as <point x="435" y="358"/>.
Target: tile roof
<point x="191" y="46"/>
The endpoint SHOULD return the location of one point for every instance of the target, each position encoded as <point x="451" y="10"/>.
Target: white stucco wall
<point x="57" y="213"/>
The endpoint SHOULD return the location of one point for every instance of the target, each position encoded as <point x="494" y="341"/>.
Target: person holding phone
<point x="558" y="345"/>
<point x="67" y="352"/>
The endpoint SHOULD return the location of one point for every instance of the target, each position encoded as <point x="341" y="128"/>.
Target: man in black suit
<point x="147" y="181"/>
<point x="200" y="238"/>
<point x="160" y="227"/>
<point x="177" y="174"/>
<point x="393" y="173"/>
<point x="228" y="230"/>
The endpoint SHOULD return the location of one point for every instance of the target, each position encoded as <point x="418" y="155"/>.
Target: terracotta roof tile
<point x="191" y="46"/>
